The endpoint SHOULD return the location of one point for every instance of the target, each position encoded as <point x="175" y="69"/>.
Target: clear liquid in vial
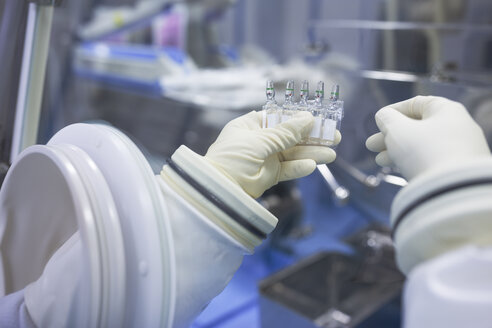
<point x="271" y="111"/>
<point x="316" y="109"/>
<point x="288" y="109"/>
<point x="331" y="118"/>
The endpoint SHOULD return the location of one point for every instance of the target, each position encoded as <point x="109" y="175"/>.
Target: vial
<point x="271" y="112"/>
<point x="303" y="104"/>
<point x="338" y="105"/>
<point x="332" y="117"/>
<point x="317" y="111"/>
<point x="327" y="114"/>
<point x="304" y="96"/>
<point x="288" y="109"/>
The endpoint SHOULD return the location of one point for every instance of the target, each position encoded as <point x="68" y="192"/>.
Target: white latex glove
<point x="257" y="158"/>
<point x="425" y="133"/>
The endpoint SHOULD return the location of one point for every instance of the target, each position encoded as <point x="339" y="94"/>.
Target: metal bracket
<point x="55" y="3"/>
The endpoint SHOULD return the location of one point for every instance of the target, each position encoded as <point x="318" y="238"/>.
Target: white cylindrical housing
<point x="206" y="257"/>
<point x="94" y="234"/>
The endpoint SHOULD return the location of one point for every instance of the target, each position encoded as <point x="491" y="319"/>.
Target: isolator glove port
<point x="257" y="158"/>
<point x="426" y="133"/>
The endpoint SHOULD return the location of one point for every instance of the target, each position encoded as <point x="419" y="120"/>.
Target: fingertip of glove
<point x="383" y="159"/>
<point x="382" y="114"/>
<point x="370" y="142"/>
<point x="334" y="155"/>
<point x="309" y="167"/>
<point x="312" y="165"/>
<point x="296" y="169"/>
<point x="338" y="137"/>
<point x="304" y="120"/>
<point x="328" y="156"/>
<point x="255" y="114"/>
<point x="299" y="123"/>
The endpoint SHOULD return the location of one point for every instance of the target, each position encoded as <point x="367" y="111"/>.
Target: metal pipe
<point x="371" y="180"/>
<point x="341" y="193"/>
<point x="29" y="96"/>
<point x="411" y="26"/>
<point x="394" y="180"/>
<point x="13" y="20"/>
<point x="368" y="180"/>
<point x="389" y="37"/>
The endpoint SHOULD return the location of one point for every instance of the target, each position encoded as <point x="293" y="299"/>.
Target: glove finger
<point x="383" y="159"/>
<point x="289" y="133"/>
<point x="376" y="143"/>
<point x="251" y="121"/>
<point x="321" y="155"/>
<point x="388" y="116"/>
<point x="421" y="107"/>
<point x="338" y="138"/>
<point x="296" y="169"/>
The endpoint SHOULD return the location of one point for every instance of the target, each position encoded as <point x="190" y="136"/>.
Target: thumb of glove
<point x="388" y="116"/>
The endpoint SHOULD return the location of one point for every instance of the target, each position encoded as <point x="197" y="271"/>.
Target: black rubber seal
<point x="435" y="193"/>
<point x="211" y="197"/>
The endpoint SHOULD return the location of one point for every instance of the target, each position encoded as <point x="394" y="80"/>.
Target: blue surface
<point x="152" y="88"/>
<point x="135" y="51"/>
<point x="237" y="306"/>
<point x="148" y="88"/>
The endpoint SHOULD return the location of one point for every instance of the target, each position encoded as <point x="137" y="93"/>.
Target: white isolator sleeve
<point x="214" y="224"/>
<point x="453" y="290"/>
<point x="442" y="211"/>
<point x="206" y="257"/>
<point x="56" y="298"/>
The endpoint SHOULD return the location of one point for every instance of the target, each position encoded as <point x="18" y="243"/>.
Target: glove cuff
<point x="221" y="200"/>
<point x="442" y="210"/>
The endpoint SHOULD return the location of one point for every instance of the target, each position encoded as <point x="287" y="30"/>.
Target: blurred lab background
<point x="174" y="72"/>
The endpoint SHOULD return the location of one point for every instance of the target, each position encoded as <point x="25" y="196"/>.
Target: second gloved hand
<point x="257" y="158"/>
<point x="425" y="133"/>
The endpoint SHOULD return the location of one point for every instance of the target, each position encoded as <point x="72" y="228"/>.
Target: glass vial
<point x="289" y="108"/>
<point x="331" y="117"/>
<point x="271" y="112"/>
<point x="304" y="96"/>
<point x="317" y="111"/>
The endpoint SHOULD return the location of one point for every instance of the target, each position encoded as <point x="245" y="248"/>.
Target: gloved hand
<point x="425" y="133"/>
<point x="257" y="158"/>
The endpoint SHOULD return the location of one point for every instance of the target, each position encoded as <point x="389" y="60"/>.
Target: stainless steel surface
<point x="413" y="26"/>
<point x="333" y="290"/>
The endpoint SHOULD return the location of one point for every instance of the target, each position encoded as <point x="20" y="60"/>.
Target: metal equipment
<point x="29" y="96"/>
<point x="334" y="290"/>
